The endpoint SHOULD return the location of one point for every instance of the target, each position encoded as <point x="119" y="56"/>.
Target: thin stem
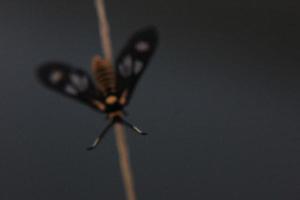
<point x="124" y="160"/>
<point x="104" y="30"/>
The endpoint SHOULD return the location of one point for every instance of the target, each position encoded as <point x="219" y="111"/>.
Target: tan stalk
<point x="121" y="142"/>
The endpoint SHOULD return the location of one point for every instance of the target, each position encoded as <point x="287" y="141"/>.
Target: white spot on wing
<point x="69" y="89"/>
<point x="125" y="71"/>
<point x="125" y="68"/>
<point x="80" y="82"/>
<point x="142" y="46"/>
<point x="55" y="76"/>
<point x="138" y="66"/>
<point x="127" y="60"/>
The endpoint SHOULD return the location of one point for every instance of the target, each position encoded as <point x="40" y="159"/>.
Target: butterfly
<point x="112" y="88"/>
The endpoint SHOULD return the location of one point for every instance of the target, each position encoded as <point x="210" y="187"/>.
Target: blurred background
<point x="220" y="99"/>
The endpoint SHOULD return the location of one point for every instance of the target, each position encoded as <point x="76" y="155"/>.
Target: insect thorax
<point x="105" y="78"/>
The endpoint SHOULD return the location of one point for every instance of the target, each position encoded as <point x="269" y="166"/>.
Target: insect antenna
<point x="100" y="137"/>
<point x="133" y="127"/>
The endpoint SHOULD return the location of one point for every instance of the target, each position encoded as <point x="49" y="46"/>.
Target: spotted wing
<point x="133" y="60"/>
<point x="71" y="82"/>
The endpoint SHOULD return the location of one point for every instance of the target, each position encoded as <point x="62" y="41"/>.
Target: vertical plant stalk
<point x="104" y="30"/>
<point x="124" y="160"/>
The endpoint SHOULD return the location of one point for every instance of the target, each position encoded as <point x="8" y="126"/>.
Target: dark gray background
<point x="221" y="100"/>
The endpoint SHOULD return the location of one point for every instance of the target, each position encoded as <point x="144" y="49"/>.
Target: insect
<point x="113" y="88"/>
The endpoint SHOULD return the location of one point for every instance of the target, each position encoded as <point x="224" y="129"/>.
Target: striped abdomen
<point x="104" y="75"/>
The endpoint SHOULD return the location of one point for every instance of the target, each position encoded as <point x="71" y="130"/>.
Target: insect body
<point x="113" y="87"/>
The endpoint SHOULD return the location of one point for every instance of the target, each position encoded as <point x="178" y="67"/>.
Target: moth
<point x="113" y="87"/>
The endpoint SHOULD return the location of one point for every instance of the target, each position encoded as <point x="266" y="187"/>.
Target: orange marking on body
<point x="111" y="99"/>
<point x="100" y="105"/>
<point x="123" y="98"/>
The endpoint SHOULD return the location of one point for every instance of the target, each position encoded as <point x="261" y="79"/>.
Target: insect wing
<point x="133" y="60"/>
<point x="69" y="81"/>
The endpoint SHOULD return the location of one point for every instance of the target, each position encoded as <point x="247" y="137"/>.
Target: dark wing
<point x="71" y="82"/>
<point x="133" y="60"/>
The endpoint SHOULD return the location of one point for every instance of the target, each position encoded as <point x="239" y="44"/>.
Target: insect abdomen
<point x="104" y="75"/>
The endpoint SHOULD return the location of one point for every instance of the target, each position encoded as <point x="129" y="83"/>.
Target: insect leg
<point x="133" y="127"/>
<point x="99" y="138"/>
